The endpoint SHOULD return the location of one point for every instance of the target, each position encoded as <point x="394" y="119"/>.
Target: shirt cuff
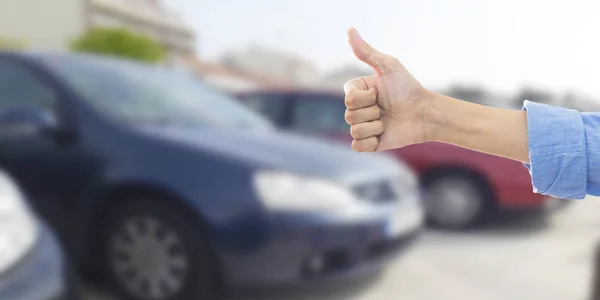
<point x="557" y="150"/>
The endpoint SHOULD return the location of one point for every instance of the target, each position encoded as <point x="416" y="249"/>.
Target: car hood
<point x="287" y="152"/>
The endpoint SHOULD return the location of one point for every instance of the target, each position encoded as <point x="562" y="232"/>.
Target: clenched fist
<point x="386" y="110"/>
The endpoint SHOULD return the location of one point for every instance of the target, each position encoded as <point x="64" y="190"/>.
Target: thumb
<point x="367" y="54"/>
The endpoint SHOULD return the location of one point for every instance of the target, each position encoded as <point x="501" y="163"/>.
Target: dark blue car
<point x="171" y="190"/>
<point x="32" y="266"/>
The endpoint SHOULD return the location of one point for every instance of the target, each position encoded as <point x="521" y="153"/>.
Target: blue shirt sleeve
<point x="564" y="151"/>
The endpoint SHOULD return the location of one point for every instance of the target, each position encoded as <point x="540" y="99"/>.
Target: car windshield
<point x="151" y="95"/>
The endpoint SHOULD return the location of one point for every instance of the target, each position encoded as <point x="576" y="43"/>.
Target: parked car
<point x="32" y="266"/>
<point x="173" y="190"/>
<point x="461" y="186"/>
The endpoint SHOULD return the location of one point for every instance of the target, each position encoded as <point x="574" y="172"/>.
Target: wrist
<point x="477" y="127"/>
<point x="436" y="122"/>
<point x="455" y="121"/>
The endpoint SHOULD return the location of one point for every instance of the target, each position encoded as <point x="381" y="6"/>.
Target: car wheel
<point x="454" y="201"/>
<point x="154" y="251"/>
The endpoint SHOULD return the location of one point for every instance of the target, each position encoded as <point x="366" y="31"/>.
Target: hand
<point x="386" y="110"/>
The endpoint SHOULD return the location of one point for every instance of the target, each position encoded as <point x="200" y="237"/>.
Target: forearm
<point x="491" y="130"/>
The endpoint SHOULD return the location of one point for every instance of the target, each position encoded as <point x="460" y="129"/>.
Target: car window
<point x="19" y="87"/>
<point x="153" y="95"/>
<point x="315" y="113"/>
<point x="270" y="106"/>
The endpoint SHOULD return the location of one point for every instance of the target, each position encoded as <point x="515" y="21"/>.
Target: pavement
<point x="529" y="258"/>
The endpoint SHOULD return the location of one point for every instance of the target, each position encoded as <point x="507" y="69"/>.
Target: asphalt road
<point x="529" y="258"/>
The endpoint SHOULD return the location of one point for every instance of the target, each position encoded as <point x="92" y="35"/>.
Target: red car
<point x="461" y="186"/>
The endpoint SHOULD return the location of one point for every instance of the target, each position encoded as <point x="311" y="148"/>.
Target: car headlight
<point x="18" y="229"/>
<point x="289" y="192"/>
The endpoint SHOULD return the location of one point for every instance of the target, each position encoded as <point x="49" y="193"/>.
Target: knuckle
<point x="350" y="117"/>
<point x="374" y="143"/>
<point x="354" y="129"/>
<point x="379" y="127"/>
<point x="365" y="145"/>
<point x="373" y="96"/>
<point x="377" y="112"/>
<point x="374" y="92"/>
<point x="372" y="113"/>
<point x="350" y="101"/>
<point x="358" y="131"/>
<point x="355" y="145"/>
<point x="363" y="132"/>
<point x="371" y="100"/>
<point x="358" y="146"/>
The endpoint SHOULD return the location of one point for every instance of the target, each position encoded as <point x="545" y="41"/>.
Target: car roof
<point x="40" y="55"/>
<point x="313" y="91"/>
<point x="36" y="54"/>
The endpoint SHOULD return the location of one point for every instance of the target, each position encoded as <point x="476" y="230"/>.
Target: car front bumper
<point x="40" y="275"/>
<point x="304" y="249"/>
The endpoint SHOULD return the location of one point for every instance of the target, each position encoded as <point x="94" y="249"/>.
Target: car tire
<point x="155" y="251"/>
<point x="455" y="200"/>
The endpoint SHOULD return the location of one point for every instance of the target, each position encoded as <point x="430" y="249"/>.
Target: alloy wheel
<point x="148" y="259"/>
<point x="453" y="202"/>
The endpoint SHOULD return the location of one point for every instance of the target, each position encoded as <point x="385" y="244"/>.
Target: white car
<point x="32" y="266"/>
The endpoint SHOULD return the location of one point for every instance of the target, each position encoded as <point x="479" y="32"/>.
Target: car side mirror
<point x="27" y="120"/>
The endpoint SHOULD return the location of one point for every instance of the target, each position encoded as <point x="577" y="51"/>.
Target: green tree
<point x="120" y="42"/>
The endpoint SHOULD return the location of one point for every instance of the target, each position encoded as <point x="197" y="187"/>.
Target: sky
<point x="502" y="45"/>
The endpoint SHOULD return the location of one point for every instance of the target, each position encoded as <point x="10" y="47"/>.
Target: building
<point x="272" y="63"/>
<point x="232" y="80"/>
<point x="337" y="78"/>
<point x="52" y="24"/>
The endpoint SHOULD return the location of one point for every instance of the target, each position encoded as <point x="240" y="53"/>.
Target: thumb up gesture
<point x="385" y="110"/>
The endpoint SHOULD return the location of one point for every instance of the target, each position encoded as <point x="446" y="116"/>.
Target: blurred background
<point x="486" y="234"/>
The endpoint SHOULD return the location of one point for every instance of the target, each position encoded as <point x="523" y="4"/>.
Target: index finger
<point x="361" y="98"/>
<point x="353" y="85"/>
